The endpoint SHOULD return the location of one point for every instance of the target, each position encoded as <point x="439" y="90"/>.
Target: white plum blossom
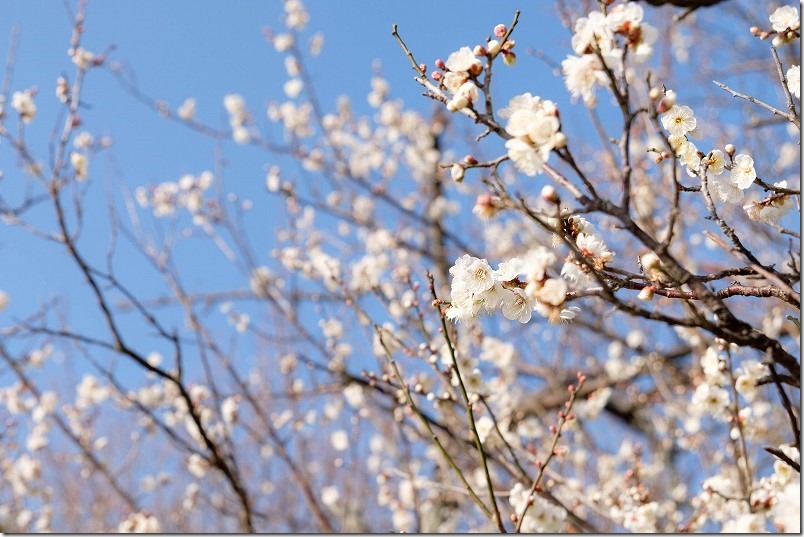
<point x="23" y="103"/>
<point x="187" y="109"/>
<point x="771" y="209"/>
<point x="581" y="75"/>
<point x="592" y="32"/>
<point x="784" y="18"/>
<point x="726" y="190"/>
<point x="679" y="120"/>
<point x="473" y="274"/>
<point x="710" y="399"/>
<point x="524" y="156"/>
<point x="716" y="162"/>
<point x="80" y="164"/>
<point x="517" y="306"/>
<point x="793" y="77"/>
<point x="743" y="172"/>
<point x="535" y="128"/>
<point x="464" y="60"/>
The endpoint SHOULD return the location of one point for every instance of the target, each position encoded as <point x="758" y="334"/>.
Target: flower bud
<point x="439" y="63"/>
<point x="437" y="75"/>
<point x="509" y="58"/>
<point x="486" y="206"/>
<point x="755" y="30"/>
<point x="730" y="150"/>
<point x="423" y="67"/>
<point x="470" y="160"/>
<point x="479" y="51"/>
<point x="508" y="45"/>
<point x="655" y="94"/>
<point x="559" y="140"/>
<point x="659" y="158"/>
<point x="550" y="195"/>
<point x="500" y="30"/>
<point x="667" y="102"/>
<point x="493" y="47"/>
<point x="457" y="171"/>
<point x="646" y="293"/>
<point x="778" y="41"/>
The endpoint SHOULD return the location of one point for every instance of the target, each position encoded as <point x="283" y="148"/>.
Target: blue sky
<point x="207" y="49"/>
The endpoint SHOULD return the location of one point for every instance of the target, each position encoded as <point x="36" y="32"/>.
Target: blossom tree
<point x="517" y="312"/>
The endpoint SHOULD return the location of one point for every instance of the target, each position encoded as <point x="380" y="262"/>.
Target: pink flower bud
<point x="423" y="67"/>
<point x="439" y="63"/>
<point x="500" y="30"/>
<point x="755" y="31"/>
<point x="437" y="75"/>
<point x="470" y="160"/>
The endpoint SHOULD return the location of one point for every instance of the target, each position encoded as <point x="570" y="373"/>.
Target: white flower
<point x="787" y="509"/>
<point x="717" y="162"/>
<point x="726" y="190"/>
<point x="524" y="156"/>
<point x="679" y="120"/>
<point x="453" y="80"/>
<point x="594" y="247"/>
<point x="553" y="292"/>
<point x="472" y="274"/>
<point x="187" y="110"/>
<point x="771" y="209"/>
<point x="23" y="103"/>
<point x="581" y="73"/>
<point x="229" y="408"/>
<point x="464" y="60"/>
<point x="745" y="523"/>
<point x="743" y="172"/>
<point x="746" y="385"/>
<point x="785" y="17"/>
<point x="80" y="164"/>
<point x="283" y="42"/>
<point x="711" y="399"/>
<point x="794" y="80"/>
<point x="516" y="306"/>
<point x="339" y="440"/>
<point x="234" y="104"/>
<point x="591" y="32"/>
<point x="509" y="270"/>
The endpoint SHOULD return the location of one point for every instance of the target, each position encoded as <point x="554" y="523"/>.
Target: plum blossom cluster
<point x="238" y="117"/>
<point x="23" y="103"/>
<point x="478" y="289"/>
<point x="535" y="131"/>
<point x="187" y="193"/>
<point x="459" y="73"/>
<point x="681" y="123"/>
<point x="785" y="26"/>
<point x="594" y="254"/>
<point x="601" y="42"/>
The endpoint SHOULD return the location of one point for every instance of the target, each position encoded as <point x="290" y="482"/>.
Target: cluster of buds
<point x="663" y="99"/>
<point x="785" y="25"/>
